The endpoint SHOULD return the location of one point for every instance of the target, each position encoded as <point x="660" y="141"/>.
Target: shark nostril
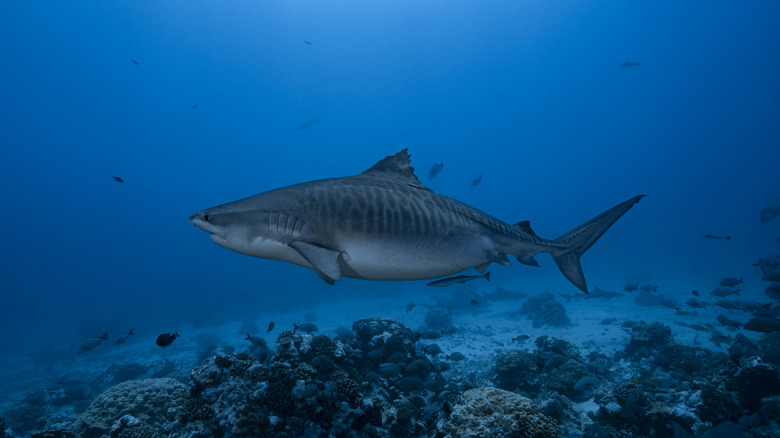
<point x="206" y="217"/>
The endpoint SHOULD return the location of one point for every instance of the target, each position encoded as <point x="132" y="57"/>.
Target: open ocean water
<point x="119" y="120"/>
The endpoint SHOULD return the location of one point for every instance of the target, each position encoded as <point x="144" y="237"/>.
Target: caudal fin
<point x="573" y="244"/>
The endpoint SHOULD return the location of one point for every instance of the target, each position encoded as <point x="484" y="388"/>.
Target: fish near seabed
<point x="771" y="211"/>
<point x="384" y="224"/>
<point x="435" y="170"/>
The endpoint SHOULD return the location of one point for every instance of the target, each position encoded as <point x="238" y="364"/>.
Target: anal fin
<point x="324" y="261"/>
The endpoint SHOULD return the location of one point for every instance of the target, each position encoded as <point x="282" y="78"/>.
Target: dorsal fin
<point x="398" y="166"/>
<point x="526" y="227"/>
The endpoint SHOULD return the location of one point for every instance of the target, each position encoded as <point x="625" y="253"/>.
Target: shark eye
<point x="206" y="217"/>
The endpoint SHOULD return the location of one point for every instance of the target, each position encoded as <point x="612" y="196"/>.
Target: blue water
<point x="529" y="93"/>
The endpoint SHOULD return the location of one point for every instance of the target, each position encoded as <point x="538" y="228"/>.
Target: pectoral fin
<point x="324" y="261"/>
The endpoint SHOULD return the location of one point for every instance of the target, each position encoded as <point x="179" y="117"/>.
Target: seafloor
<point x="494" y="363"/>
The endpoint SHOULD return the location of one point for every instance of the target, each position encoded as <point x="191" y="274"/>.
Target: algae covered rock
<point x="146" y="400"/>
<point x="493" y="412"/>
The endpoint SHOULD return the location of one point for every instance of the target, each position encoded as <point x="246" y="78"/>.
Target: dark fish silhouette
<point x="194" y="106"/>
<point x="167" y="339"/>
<point x="123" y="338"/>
<point x="409" y="307"/>
<point x="305" y="327"/>
<point x="118" y="179"/>
<point x="435" y="169"/>
<point x="305" y="125"/>
<point x="91" y="343"/>
<point x="270" y="327"/>
<point x="475" y="182"/>
<point x="255" y="340"/>
<point x="713" y="236"/>
<point x="695" y="292"/>
<point x="629" y="64"/>
<point x="771" y="211"/>
<point x="307" y="42"/>
<point x="724" y="291"/>
<point x="135" y="62"/>
<point x="444" y="282"/>
<point x="631" y="287"/>
<point x="731" y="282"/>
<point x="474" y="302"/>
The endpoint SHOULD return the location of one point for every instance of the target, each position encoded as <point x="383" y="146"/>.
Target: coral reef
<point x="544" y="310"/>
<point x="146" y="400"/>
<point x="492" y="412"/>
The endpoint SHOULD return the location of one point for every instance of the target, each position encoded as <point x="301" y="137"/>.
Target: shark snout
<point x="201" y="220"/>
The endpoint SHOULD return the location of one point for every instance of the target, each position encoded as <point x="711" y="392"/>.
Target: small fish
<point x="731" y="282"/>
<point x="307" y="42"/>
<point x="409" y="307"/>
<point x="194" y="106"/>
<point x="682" y="313"/>
<point x="478" y="179"/>
<point x="135" y="62"/>
<point x="699" y="328"/>
<point x="696" y="304"/>
<point x="773" y="275"/>
<point x="456" y="356"/>
<point x="771" y="211"/>
<point x="435" y="169"/>
<point x="608" y="321"/>
<point x="631" y="287"/>
<point x="474" y="302"/>
<point x="432" y="350"/>
<point x="305" y="327"/>
<point x="763" y="325"/>
<point x="118" y="179"/>
<point x="585" y="383"/>
<point x="714" y="236"/>
<point x="521" y="338"/>
<point x="696" y="293"/>
<point x="270" y="327"/>
<point x="305" y="125"/>
<point x="429" y="334"/>
<point x="629" y="64"/>
<point x="444" y="282"/>
<point x="554" y="362"/>
<point x="167" y="339"/>
<point x="719" y="338"/>
<point x="724" y="291"/>
<point x="726" y="322"/>
<point x="255" y="340"/>
<point x="410" y="384"/>
<point x="649" y="288"/>
<point x="91" y="343"/>
<point x="123" y="337"/>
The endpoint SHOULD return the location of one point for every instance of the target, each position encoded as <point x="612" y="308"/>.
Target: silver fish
<point x="384" y="224"/>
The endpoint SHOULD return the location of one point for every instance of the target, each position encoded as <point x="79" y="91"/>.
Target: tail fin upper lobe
<point x="573" y="244"/>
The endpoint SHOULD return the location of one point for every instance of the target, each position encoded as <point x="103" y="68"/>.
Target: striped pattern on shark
<point x="384" y="224"/>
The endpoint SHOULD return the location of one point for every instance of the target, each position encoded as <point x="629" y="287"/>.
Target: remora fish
<point x="384" y="224"/>
<point x="456" y="280"/>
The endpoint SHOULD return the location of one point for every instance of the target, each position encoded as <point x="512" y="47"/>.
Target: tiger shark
<point x="384" y="224"/>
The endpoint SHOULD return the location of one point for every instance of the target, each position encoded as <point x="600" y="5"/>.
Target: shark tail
<point x="569" y="247"/>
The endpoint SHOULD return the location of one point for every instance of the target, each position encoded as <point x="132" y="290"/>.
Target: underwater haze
<point x="565" y="109"/>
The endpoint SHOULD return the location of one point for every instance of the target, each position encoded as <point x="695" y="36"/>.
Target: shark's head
<point x="243" y="226"/>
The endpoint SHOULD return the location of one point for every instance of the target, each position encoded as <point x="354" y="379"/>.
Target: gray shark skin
<point x="384" y="224"/>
